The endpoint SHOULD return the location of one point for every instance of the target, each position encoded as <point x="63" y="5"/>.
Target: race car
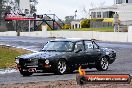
<point x="62" y="56"/>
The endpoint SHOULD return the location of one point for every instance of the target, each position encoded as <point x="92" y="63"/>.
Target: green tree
<point x="17" y="1"/>
<point x="1" y="10"/>
<point x="67" y="26"/>
<point x="33" y="3"/>
<point x="5" y="7"/>
<point x="85" y="23"/>
<point x="69" y="19"/>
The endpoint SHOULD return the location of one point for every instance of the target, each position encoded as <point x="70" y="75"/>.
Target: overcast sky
<point x="64" y="8"/>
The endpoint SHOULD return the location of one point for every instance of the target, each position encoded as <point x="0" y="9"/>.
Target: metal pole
<point x="34" y="21"/>
<point x="53" y="24"/>
<point x="29" y="21"/>
<point x="17" y="29"/>
<point x="75" y="14"/>
<point x="29" y="26"/>
<point x="53" y="21"/>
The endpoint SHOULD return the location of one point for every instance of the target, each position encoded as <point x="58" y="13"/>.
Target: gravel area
<point x="64" y="84"/>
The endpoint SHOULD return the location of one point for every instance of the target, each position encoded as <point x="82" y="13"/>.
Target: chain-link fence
<point x="100" y="24"/>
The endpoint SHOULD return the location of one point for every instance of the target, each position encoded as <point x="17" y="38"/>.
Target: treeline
<point x="12" y="6"/>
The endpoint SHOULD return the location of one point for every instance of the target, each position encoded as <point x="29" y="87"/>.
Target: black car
<point x="66" y="55"/>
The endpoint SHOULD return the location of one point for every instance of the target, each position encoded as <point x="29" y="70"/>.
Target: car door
<point x="92" y="51"/>
<point x="96" y="51"/>
<point x="89" y="52"/>
<point x="78" y="56"/>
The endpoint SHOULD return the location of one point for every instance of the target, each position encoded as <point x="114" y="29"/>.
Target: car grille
<point x="29" y="62"/>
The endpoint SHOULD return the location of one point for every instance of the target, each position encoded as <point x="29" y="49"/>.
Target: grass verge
<point x="107" y="29"/>
<point x="8" y="54"/>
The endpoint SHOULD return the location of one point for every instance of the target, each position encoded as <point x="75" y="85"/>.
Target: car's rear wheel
<point x="61" y="67"/>
<point x="26" y="73"/>
<point x="103" y="64"/>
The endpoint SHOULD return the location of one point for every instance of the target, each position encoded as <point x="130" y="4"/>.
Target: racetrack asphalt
<point x="122" y="65"/>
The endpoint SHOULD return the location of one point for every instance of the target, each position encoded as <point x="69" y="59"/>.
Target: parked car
<point x="66" y="55"/>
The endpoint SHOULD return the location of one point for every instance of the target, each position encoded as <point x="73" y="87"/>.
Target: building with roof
<point x="122" y="7"/>
<point x="75" y="24"/>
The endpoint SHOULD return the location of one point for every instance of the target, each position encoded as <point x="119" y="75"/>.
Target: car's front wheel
<point x="61" y="67"/>
<point x="26" y="73"/>
<point x="103" y="64"/>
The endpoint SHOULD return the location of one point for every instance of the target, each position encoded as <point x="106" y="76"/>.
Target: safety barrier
<point x="104" y="36"/>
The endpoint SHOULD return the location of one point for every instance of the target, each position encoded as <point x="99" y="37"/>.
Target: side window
<point x="88" y="45"/>
<point x="79" y="45"/>
<point x="95" y="45"/>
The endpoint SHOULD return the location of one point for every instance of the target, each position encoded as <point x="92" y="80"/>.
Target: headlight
<point x="46" y="61"/>
<point x="17" y="61"/>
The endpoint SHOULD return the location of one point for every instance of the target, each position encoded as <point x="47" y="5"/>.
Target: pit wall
<point x="8" y="33"/>
<point x="104" y="36"/>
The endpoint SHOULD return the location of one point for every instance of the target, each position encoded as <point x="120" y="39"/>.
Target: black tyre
<point x="26" y="73"/>
<point x="103" y="64"/>
<point x="61" y="67"/>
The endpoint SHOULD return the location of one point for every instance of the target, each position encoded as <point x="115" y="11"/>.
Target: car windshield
<point x="58" y="46"/>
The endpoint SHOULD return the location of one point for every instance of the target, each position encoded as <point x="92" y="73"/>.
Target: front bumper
<point x="35" y="69"/>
